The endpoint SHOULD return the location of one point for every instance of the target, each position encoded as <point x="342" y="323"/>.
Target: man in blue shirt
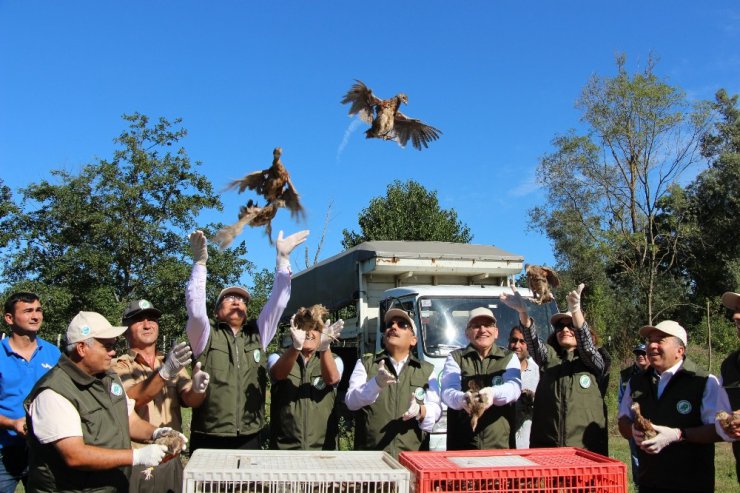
<point x="24" y="358"/>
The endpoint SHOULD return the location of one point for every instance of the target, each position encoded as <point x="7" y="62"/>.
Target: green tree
<point x="407" y="212"/>
<point x="606" y="191"/>
<point x="7" y="209"/>
<point x="117" y="231"/>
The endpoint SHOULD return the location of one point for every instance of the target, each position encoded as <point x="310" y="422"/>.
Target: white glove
<point x="485" y="395"/>
<point x="513" y="300"/>
<point x="298" y="335"/>
<point x="200" y="379"/>
<point x="285" y="246"/>
<point x="149" y="456"/>
<point x="637" y="435"/>
<point x="330" y="333"/>
<point x="574" y="298"/>
<point x="384" y="378"/>
<point x="413" y="411"/>
<point x="198" y="247"/>
<point x="665" y="437"/>
<point x="158" y="432"/>
<point x="178" y="357"/>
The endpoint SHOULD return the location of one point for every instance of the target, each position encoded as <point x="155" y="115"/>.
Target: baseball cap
<point x="731" y="300"/>
<point x="640" y="348"/>
<point x="397" y="312"/>
<point x="481" y="311"/>
<point x="86" y="325"/>
<point x="233" y="290"/>
<point x="136" y="308"/>
<point x="667" y="327"/>
<point x="560" y="317"/>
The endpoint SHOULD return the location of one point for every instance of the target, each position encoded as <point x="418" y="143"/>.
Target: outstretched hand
<point x="298" y="335"/>
<point x="285" y="246"/>
<point x="330" y="333"/>
<point x="384" y="378"/>
<point x="574" y="298"/>
<point x="198" y="247"/>
<point x="514" y="300"/>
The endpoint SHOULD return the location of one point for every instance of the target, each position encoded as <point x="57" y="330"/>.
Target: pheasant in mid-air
<point x="539" y="280"/>
<point x="273" y="184"/>
<point x="386" y="121"/>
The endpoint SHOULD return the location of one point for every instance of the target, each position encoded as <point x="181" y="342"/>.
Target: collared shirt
<point x="508" y="391"/>
<point x="17" y="378"/>
<point x="530" y="375"/>
<point x="363" y="392"/>
<point x="198" y="326"/>
<point x="708" y="399"/>
<point x="164" y="409"/>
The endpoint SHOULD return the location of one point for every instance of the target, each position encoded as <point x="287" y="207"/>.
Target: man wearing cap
<point x="233" y="351"/>
<point x="729" y="395"/>
<point x="80" y="422"/>
<point x="497" y="382"/>
<point x="24" y="358"/>
<point x="396" y="395"/>
<point x="640" y="364"/>
<point x="159" y="388"/>
<point x="680" y="400"/>
<point x="569" y="410"/>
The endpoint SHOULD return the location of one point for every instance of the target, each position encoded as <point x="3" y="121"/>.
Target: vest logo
<point x="116" y="389"/>
<point x="419" y="393"/>
<point x="85" y="330"/>
<point x="319" y="383"/>
<point x="584" y="381"/>
<point x="683" y="407"/>
<point x="257" y="355"/>
<point x="497" y="380"/>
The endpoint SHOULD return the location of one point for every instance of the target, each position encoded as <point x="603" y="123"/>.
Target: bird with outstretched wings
<point x="275" y="185"/>
<point x="385" y="119"/>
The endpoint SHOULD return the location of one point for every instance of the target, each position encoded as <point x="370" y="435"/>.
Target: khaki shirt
<point x="164" y="409"/>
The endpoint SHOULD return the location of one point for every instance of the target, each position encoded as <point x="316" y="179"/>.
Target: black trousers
<point x="239" y="442"/>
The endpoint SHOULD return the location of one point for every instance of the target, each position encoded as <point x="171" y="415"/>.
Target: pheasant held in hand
<point x="641" y="423"/>
<point x="476" y="401"/>
<point x="386" y="121"/>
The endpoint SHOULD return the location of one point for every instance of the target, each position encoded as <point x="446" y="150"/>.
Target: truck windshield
<point x="443" y="321"/>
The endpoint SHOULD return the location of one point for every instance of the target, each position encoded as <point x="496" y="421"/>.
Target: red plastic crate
<point x="543" y="470"/>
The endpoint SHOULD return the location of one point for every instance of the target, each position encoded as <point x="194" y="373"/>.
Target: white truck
<point x="438" y="283"/>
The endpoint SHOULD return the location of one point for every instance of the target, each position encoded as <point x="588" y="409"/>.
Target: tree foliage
<point x="608" y="188"/>
<point x="117" y="231"/>
<point x="407" y="212"/>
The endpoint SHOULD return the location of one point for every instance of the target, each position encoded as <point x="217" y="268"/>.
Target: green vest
<point x="379" y="426"/>
<point x="101" y="403"/>
<point x="495" y="429"/>
<point x="682" y="465"/>
<point x="301" y="409"/>
<point x="235" y="399"/>
<point x="730" y="372"/>
<point x="569" y="409"/>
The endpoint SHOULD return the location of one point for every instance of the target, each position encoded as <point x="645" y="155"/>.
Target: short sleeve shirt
<point x="17" y="378"/>
<point x="164" y="409"/>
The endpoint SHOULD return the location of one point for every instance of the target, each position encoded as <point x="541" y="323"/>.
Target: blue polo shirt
<point x="17" y="378"/>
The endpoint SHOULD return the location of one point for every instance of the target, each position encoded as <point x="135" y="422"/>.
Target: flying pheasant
<point x="386" y="121"/>
<point x="539" y="280"/>
<point x="273" y="184"/>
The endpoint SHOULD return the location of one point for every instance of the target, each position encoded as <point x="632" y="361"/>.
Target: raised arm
<point x="536" y="346"/>
<point x="587" y="350"/>
<point x="198" y="327"/>
<point x="269" y="317"/>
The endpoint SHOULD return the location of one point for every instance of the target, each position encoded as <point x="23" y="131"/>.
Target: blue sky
<point x="499" y="78"/>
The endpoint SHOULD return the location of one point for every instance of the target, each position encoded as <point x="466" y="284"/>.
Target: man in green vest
<point x="303" y="386"/>
<point x="396" y="395"/>
<point x="80" y="422"/>
<point x="680" y="400"/>
<point x="480" y="384"/>
<point x="729" y="395"/>
<point x="232" y="351"/>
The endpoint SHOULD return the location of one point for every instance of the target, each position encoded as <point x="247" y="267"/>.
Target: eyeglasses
<point x="234" y="297"/>
<point x="401" y="324"/>
<point x="481" y="325"/>
<point x="516" y="340"/>
<point x="109" y="346"/>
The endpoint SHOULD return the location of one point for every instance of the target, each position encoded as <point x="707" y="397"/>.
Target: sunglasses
<point x="401" y="324"/>
<point x="516" y="340"/>
<point x="560" y="327"/>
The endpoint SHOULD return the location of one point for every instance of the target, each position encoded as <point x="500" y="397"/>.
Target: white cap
<point x="86" y="325"/>
<point x="398" y="313"/>
<point x="233" y="290"/>
<point x="667" y="327"/>
<point x="481" y="311"/>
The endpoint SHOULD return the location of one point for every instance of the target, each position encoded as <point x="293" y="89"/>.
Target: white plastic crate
<point x="283" y="471"/>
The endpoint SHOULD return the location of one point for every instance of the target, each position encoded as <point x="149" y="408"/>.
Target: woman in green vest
<point x="304" y="378"/>
<point x="569" y="410"/>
